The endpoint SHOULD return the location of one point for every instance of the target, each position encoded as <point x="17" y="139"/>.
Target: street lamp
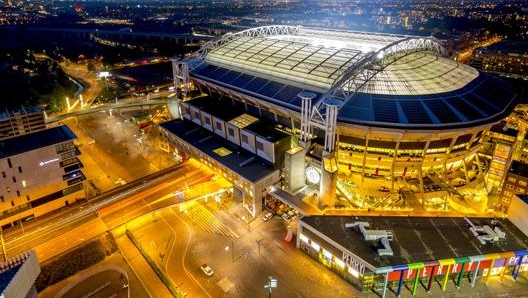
<point x="232" y="250"/>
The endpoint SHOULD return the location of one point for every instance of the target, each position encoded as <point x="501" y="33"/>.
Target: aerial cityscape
<point x="280" y="148"/>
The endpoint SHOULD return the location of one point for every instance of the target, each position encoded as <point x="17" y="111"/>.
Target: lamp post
<point x="232" y="250"/>
<point x="127" y="285"/>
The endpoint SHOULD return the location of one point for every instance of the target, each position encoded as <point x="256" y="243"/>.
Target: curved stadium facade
<point x="403" y="109"/>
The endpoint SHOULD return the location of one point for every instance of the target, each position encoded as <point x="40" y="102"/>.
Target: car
<point x="207" y="270"/>
<point x="267" y="216"/>
<point x="286" y="216"/>
<point x="383" y="188"/>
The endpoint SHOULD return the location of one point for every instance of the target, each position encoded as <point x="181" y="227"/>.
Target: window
<point x="207" y="120"/>
<point x="197" y="115"/>
<point x="260" y="146"/>
<point x="511" y="179"/>
<point x="18" y="193"/>
<point x="14" y="179"/>
<point x="2" y="199"/>
<point x="218" y="125"/>
<point x="9" y="162"/>
<point x="245" y="139"/>
<point x="522" y="183"/>
<point x="3" y="174"/>
<point x="231" y="131"/>
<point x="20" y="169"/>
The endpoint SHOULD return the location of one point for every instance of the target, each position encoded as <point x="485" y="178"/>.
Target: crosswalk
<point x="205" y="220"/>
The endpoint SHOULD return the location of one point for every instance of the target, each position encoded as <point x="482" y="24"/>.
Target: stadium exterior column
<point x="431" y="277"/>
<point x="416" y="278"/>
<point x="489" y="271"/>
<point x="475" y="273"/>
<point x="503" y="270"/>
<point x="444" y="284"/>
<point x="460" y="275"/>
<point x="385" y="285"/>
<point x="516" y="271"/>
<point x="400" y="283"/>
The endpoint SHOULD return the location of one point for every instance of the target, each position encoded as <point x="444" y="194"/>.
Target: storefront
<point x="399" y="253"/>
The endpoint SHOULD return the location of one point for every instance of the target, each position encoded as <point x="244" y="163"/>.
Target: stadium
<point x="340" y="108"/>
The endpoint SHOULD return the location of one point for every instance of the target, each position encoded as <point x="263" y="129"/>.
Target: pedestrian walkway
<point x="206" y="221"/>
<point x="147" y="276"/>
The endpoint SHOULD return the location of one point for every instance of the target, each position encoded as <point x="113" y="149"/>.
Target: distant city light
<point x="104" y="74"/>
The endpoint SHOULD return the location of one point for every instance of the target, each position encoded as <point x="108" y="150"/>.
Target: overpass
<point x="121" y="34"/>
<point x="127" y="106"/>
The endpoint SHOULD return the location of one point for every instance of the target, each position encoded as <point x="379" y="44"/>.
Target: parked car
<point x="207" y="270"/>
<point x="267" y="216"/>
<point x="383" y="188"/>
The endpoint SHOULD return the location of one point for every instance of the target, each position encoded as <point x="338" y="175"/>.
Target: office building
<point x="40" y="172"/>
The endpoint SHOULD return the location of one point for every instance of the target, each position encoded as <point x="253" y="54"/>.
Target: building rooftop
<point x="18" y="274"/>
<point x="215" y="107"/>
<point x="505" y="47"/>
<point x="524" y="198"/>
<point x="23" y="110"/>
<point x="6" y="276"/>
<point x="237" y="159"/>
<point x="267" y="131"/>
<point x="417" y="239"/>
<point x="519" y="168"/>
<point x="28" y="142"/>
<point x="502" y="128"/>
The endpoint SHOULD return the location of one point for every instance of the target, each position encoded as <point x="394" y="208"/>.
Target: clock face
<point x="313" y="175"/>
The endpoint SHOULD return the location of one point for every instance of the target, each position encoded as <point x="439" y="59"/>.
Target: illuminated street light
<point x="232" y="249"/>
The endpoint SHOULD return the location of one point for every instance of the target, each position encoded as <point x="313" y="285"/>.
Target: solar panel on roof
<point x="205" y="71"/>
<point x="271" y="88"/>
<point x="288" y="93"/>
<point x="241" y="80"/>
<point x="255" y="84"/>
<point x="385" y="110"/>
<point x="230" y="76"/>
<point x="296" y="101"/>
<point x="441" y="110"/>
<point x="494" y="92"/>
<point x="469" y="111"/>
<point x="414" y="111"/>
<point x="483" y="105"/>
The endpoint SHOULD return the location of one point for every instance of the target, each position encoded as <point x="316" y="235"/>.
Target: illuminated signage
<point x="356" y="265"/>
<point x="43" y="163"/>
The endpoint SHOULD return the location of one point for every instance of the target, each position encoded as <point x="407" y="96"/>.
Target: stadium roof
<point x="383" y="80"/>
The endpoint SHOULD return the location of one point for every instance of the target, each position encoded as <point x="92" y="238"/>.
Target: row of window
<point x="391" y="152"/>
<point x="4" y="173"/>
<point x="2" y="199"/>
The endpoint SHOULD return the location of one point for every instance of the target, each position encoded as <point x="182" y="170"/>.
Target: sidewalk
<point x="148" y="278"/>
